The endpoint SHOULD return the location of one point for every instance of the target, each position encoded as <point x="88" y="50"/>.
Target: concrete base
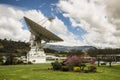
<point x="36" y="56"/>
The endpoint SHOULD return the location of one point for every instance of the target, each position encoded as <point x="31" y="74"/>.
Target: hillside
<point x="60" y="48"/>
<point x="12" y="47"/>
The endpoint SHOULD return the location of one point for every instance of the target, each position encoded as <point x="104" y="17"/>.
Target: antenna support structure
<point x="39" y="37"/>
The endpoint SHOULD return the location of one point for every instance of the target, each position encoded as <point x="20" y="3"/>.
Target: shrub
<point x="56" y="65"/>
<point x="65" y="68"/>
<point x="1" y="60"/>
<point x="76" y="69"/>
<point x="15" y="61"/>
<point x="19" y="62"/>
<point x="85" y="71"/>
<point x="29" y="62"/>
<point x="92" y="69"/>
<point x="82" y="66"/>
<point x="73" y="61"/>
<point x="103" y="63"/>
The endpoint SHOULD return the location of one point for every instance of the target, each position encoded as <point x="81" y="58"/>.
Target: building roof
<point x="41" y="32"/>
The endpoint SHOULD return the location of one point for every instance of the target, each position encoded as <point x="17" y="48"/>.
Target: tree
<point x="75" y="52"/>
<point x="106" y="55"/>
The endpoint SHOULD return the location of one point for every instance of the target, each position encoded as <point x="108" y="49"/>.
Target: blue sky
<point x="79" y="22"/>
<point x="45" y="6"/>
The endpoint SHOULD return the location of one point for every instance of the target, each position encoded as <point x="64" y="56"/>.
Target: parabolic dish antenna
<point x="39" y="34"/>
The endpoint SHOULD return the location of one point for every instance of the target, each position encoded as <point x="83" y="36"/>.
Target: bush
<point x="85" y="71"/>
<point x="19" y="62"/>
<point x="92" y="69"/>
<point x="103" y="63"/>
<point x="1" y="60"/>
<point x="75" y="60"/>
<point x="29" y="62"/>
<point x="65" y="68"/>
<point x="72" y="61"/>
<point x="56" y="65"/>
<point x="76" y="69"/>
<point x="82" y="66"/>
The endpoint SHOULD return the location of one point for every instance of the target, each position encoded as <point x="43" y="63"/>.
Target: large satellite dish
<point x="39" y="33"/>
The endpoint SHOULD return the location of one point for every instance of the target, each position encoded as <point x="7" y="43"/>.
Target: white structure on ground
<point x="39" y="37"/>
<point x="36" y="56"/>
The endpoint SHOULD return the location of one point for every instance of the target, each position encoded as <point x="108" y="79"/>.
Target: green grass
<point x="41" y="72"/>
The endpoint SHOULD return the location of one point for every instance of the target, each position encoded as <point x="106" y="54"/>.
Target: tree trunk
<point x="110" y="64"/>
<point x="98" y="62"/>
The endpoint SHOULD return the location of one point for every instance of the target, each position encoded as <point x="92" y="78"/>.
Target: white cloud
<point x="12" y="29"/>
<point x="100" y="18"/>
<point x="9" y="11"/>
<point x="11" y="26"/>
<point x="56" y="26"/>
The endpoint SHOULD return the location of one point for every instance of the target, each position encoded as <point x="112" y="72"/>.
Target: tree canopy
<point x="12" y="47"/>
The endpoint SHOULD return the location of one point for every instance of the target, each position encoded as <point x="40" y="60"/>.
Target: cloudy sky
<point x="77" y="22"/>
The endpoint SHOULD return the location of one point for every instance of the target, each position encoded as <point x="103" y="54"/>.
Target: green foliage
<point x="65" y="68"/>
<point x="47" y="50"/>
<point x="76" y="69"/>
<point x="75" y="60"/>
<point x="30" y="62"/>
<point x="56" y="65"/>
<point x="82" y="66"/>
<point x="1" y="46"/>
<point x="72" y="63"/>
<point x="8" y="46"/>
<point x="76" y="52"/>
<point x="1" y="60"/>
<point x="41" y="72"/>
<point x="106" y="51"/>
<point x="20" y="62"/>
<point x="92" y="69"/>
<point x="103" y="64"/>
<point x="11" y="60"/>
<point x="107" y="55"/>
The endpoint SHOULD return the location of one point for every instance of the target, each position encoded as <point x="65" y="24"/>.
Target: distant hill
<point x="22" y="48"/>
<point x="13" y="47"/>
<point x="67" y="48"/>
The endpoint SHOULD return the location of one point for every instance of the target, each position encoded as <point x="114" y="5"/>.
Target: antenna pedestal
<point x="36" y="56"/>
<point x="36" y="53"/>
<point x="39" y="33"/>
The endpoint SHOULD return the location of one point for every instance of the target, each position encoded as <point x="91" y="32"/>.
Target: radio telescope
<point x="39" y="37"/>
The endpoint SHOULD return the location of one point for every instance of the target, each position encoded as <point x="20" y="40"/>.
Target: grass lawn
<point x="41" y="72"/>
